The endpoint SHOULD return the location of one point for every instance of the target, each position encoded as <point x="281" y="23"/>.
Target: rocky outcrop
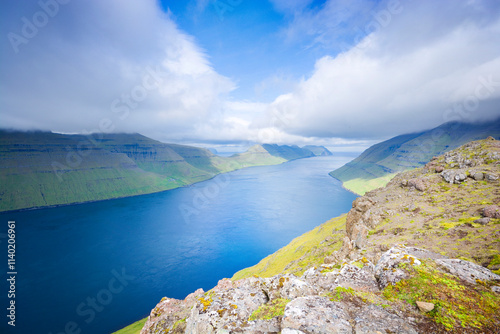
<point x="468" y="271"/>
<point x="317" y="302"/>
<point x="360" y="220"/>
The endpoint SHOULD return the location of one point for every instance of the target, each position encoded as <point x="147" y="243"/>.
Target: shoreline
<point x="149" y="193"/>
<point x="342" y="185"/>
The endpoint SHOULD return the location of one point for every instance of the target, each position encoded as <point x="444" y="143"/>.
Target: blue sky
<point x="341" y="73"/>
<point x="248" y="41"/>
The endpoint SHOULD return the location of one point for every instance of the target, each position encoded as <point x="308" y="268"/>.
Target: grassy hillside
<point x="379" y="163"/>
<point x="44" y="169"/>
<point x="440" y="218"/>
<point x="302" y="252"/>
<point x="134" y="328"/>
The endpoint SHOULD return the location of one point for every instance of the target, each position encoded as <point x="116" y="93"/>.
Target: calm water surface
<point x="96" y="267"/>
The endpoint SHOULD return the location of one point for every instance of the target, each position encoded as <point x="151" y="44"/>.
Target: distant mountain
<point x="288" y="152"/>
<point x="40" y="169"/>
<point x="318" y="150"/>
<point x="379" y="163"/>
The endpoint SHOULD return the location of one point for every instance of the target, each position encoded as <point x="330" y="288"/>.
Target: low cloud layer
<point x="107" y="65"/>
<point x="403" y="66"/>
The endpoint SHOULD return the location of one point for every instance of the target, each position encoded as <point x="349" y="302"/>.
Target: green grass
<point x="301" y="253"/>
<point x="361" y="186"/>
<point x="134" y="328"/>
<point x="456" y="305"/>
<point x="269" y="310"/>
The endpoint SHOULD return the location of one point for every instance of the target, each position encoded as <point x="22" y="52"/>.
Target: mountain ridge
<point x="382" y="161"/>
<point x="41" y="169"/>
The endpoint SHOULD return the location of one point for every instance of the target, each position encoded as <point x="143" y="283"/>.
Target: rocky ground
<point x="421" y="255"/>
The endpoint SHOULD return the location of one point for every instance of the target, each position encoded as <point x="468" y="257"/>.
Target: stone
<point x="468" y="271"/>
<point x="363" y="279"/>
<point x="425" y="307"/>
<point x="478" y="176"/>
<point x="288" y="286"/>
<point x="168" y="311"/>
<point x="495" y="288"/>
<point x="417" y="184"/>
<point x="228" y="310"/>
<point x="490" y="138"/>
<point x="308" y="315"/>
<point x="482" y="221"/>
<point x="439" y="169"/>
<point x="448" y="175"/>
<point x="388" y="271"/>
<point x="359" y="235"/>
<point x="460" y="177"/>
<point x="291" y="331"/>
<point x="454" y="176"/>
<point x="491" y="177"/>
<point x="373" y="319"/>
<point x="491" y="211"/>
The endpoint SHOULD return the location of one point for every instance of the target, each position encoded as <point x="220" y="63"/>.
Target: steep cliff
<point x="421" y="255"/>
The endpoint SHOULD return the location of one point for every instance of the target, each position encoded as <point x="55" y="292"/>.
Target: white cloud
<point x="123" y="62"/>
<point x="128" y="66"/>
<point x="399" y="79"/>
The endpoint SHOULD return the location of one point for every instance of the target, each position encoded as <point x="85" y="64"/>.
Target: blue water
<point x="96" y="267"/>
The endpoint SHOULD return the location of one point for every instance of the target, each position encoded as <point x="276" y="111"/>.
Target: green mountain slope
<point x="43" y="169"/>
<point x="379" y="163"/>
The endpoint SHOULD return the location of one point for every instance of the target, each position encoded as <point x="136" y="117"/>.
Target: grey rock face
<point x="168" y="312"/>
<point x="374" y="319"/>
<point x="388" y="271"/>
<point x="291" y="331"/>
<point x="468" y="271"/>
<point x="357" y="278"/>
<point x="360" y="219"/>
<point x="316" y="315"/>
<point x="287" y="286"/>
<point x="227" y="308"/>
